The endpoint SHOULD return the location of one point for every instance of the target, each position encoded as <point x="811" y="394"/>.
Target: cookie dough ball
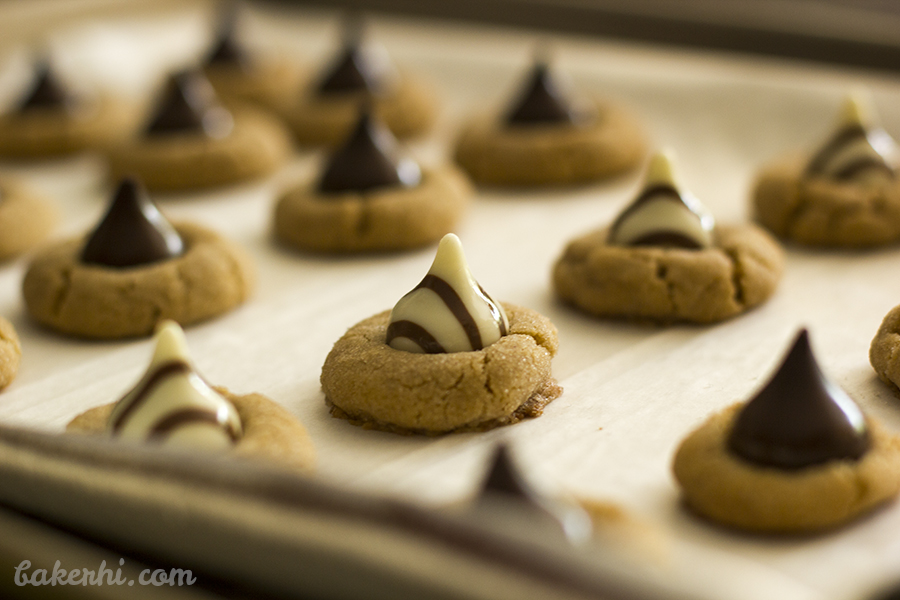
<point x="193" y="142"/>
<point x="133" y="271"/>
<point x="26" y="219"/>
<point x="10" y="353"/>
<point x="325" y="108"/>
<point x="50" y="121"/>
<point x="371" y="198"/>
<point x="664" y="259"/>
<point x="799" y="457"/>
<point x="548" y="140"/>
<point x="846" y="195"/>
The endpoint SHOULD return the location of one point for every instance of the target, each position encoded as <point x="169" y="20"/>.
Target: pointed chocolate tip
<point x="799" y="418"/>
<point x="355" y="68"/>
<point x="541" y="100"/>
<point x="226" y="49"/>
<point x="189" y="104"/>
<point x="45" y="92"/>
<point x="503" y="477"/>
<point x="133" y="232"/>
<point x="367" y="160"/>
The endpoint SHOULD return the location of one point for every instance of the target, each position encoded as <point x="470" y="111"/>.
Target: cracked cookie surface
<point x="210" y="278"/>
<point x="390" y="218"/>
<point x="821" y="212"/>
<point x="269" y="431"/>
<point x="740" y="271"/>
<point x="737" y="493"/>
<point x="375" y="386"/>
<point x="495" y="154"/>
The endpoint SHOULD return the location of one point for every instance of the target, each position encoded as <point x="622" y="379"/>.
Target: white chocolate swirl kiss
<point x="172" y="404"/>
<point x="663" y="215"/>
<point x="448" y="311"/>
<point x="857" y="152"/>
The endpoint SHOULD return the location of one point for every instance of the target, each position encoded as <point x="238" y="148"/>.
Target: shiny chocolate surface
<point x="799" y="418"/>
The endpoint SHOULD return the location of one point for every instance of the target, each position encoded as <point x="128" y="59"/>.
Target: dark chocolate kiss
<point x="368" y="159"/>
<point x="133" y="232"/>
<point x="351" y="71"/>
<point x="503" y="477"/>
<point x="45" y="92"/>
<point x="540" y="101"/>
<point x="189" y="105"/>
<point x="799" y="418"/>
<point x="227" y="50"/>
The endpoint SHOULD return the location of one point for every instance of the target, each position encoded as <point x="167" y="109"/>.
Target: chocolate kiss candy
<point x="45" y="91"/>
<point x="227" y="50"/>
<point x="504" y="483"/>
<point x="858" y="151"/>
<point x="662" y="215"/>
<point x="448" y="311"/>
<point x="541" y="101"/>
<point x="133" y="232"/>
<point x="189" y="105"/>
<point x="172" y="404"/>
<point x="368" y="159"/>
<point x="354" y="69"/>
<point x="503" y="477"/>
<point x="799" y="418"/>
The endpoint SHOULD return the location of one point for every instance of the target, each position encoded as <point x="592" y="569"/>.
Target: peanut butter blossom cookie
<point x="446" y="358"/>
<point x="49" y="120"/>
<point x="192" y="141"/>
<point x="240" y="75"/>
<point x="324" y="109"/>
<point x="10" y="353"/>
<point x="545" y="137"/>
<point x="371" y="198"/>
<point x="134" y="270"/>
<point x="665" y="259"/>
<point x="172" y="405"/>
<point x="26" y="219"/>
<point x="800" y="456"/>
<point x="884" y="352"/>
<point x="845" y="195"/>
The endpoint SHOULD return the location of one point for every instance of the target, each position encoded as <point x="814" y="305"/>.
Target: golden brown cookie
<point x="384" y="218"/>
<point x="738" y="493"/>
<point x="10" y="353"/>
<point x="408" y="108"/>
<point x="211" y="277"/>
<point x="268" y="82"/>
<point x="609" y="143"/>
<point x="26" y="219"/>
<point x="884" y="352"/>
<point x="845" y="194"/>
<point x="818" y="211"/>
<point x="371" y="384"/>
<point x="269" y="431"/>
<point x="47" y="132"/>
<point x="257" y="146"/>
<point x="740" y="271"/>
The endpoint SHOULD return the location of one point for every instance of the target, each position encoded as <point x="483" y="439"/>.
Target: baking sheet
<point x="631" y="392"/>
